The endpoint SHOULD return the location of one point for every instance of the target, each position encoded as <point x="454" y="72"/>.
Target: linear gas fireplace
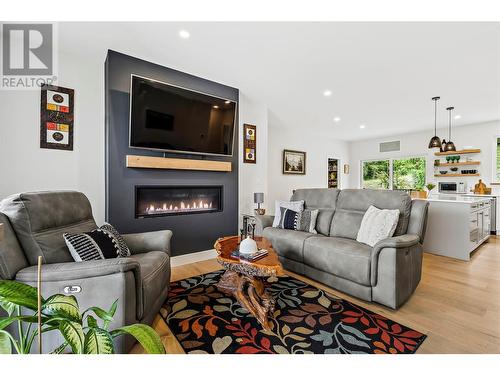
<point x="151" y="201"/>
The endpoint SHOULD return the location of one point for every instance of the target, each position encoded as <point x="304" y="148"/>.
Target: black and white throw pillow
<point x="304" y="221"/>
<point x="102" y="243"/>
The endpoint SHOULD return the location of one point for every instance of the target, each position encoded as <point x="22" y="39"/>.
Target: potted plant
<point x="430" y="187"/>
<point x="82" y="332"/>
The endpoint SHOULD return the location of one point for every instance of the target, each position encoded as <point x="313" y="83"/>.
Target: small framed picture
<point x="249" y="144"/>
<point x="56" y="118"/>
<point x="294" y="162"/>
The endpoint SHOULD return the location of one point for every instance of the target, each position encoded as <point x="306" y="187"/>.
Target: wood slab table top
<point x="263" y="267"/>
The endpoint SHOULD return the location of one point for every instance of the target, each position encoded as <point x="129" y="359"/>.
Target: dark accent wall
<point x="192" y="233"/>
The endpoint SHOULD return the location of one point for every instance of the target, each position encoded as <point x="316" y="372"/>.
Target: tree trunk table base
<point x="243" y="280"/>
<point x="250" y="293"/>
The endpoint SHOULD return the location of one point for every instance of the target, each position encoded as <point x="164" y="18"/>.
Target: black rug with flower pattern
<point x="305" y="320"/>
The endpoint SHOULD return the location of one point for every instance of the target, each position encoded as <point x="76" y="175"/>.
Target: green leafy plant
<point x="430" y="186"/>
<point x="81" y="331"/>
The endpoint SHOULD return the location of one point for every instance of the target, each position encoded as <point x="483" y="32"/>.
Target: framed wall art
<point x="56" y="118"/>
<point x="294" y="162"/>
<point x="249" y="144"/>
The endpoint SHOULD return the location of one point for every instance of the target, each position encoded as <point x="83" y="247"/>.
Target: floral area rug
<point x="305" y="320"/>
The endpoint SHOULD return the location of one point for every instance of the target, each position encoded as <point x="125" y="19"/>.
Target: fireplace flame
<point x="181" y="207"/>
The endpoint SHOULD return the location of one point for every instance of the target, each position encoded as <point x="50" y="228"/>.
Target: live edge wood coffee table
<point x="243" y="279"/>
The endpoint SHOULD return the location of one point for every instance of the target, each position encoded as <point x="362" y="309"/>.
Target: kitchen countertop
<point x="457" y="198"/>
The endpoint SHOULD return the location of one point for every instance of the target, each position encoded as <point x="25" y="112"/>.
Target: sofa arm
<point x="398" y="242"/>
<point x="81" y="270"/>
<point x="263" y="221"/>
<point x="149" y="241"/>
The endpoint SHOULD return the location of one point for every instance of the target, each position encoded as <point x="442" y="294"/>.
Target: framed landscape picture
<point x="294" y="162"/>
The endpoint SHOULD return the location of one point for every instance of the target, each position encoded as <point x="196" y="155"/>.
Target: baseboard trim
<point x="180" y="260"/>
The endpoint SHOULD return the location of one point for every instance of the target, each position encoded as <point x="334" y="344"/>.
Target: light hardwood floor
<point x="457" y="303"/>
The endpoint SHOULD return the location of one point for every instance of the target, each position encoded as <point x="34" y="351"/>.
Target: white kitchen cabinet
<point x="456" y="226"/>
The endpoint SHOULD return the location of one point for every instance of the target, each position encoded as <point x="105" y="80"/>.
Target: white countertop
<point x="458" y="198"/>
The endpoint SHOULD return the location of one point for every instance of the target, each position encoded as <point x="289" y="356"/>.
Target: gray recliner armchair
<point x="34" y="226"/>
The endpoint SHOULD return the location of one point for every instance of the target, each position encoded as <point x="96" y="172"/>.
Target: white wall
<point x="252" y="177"/>
<point x="480" y="136"/>
<point x="318" y="148"/>
<point x="27" y="167"/>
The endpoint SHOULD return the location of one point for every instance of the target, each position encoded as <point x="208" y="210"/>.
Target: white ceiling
<point x="380" y="74"/>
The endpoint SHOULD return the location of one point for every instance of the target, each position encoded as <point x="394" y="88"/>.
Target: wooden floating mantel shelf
<point x="457" y="175"/>
<point x="138" y="161"/>
<point x="459" y="152"/>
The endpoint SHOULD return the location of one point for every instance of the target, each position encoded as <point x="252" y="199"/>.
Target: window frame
<point x="391" y="167"/>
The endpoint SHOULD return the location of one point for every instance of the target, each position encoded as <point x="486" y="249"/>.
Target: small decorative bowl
<point x="454" y="169"/>
<point x="443" y="172"/>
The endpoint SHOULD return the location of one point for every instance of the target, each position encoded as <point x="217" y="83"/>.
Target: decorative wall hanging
<point x="56" y="118"/>
<point x="249" y="144"/>
<point x="294" y="162"/>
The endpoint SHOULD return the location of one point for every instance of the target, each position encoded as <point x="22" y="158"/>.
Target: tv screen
<point x="173" y="119"/>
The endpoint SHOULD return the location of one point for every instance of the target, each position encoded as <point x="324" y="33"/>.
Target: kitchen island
<point x="457" y="225"/>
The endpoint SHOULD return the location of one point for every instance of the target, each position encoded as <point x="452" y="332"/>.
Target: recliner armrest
<point x="81" y="270"/>
<point x="263" y="221"/>
<point x="148" y="241"/>
<point x="398" y="242"/>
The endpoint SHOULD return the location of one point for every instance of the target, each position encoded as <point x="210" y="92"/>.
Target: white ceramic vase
<point x="248" y="246"/>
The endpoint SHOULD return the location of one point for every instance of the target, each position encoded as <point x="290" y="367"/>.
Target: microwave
<point x="452" y="187"/>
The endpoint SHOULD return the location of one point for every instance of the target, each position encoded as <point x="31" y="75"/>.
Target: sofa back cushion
<point x="39" y="220"/>
<point x="325" y="200"/>
<point x="353" y="203"/>
<point x="12" y="258"/>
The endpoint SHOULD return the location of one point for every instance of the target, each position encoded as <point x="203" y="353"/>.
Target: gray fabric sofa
<point x="388" y="273"/>
<point x="34" y="226"/>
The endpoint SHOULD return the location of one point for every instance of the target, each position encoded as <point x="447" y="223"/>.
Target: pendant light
<point x="435" y="142"/>
<point x="450" y="146"/>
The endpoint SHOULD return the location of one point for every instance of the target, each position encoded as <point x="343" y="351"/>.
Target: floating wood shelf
<point x="138" y="161"/>
<point x="458" y="164"/>
<point x="471" y="151"/>
<point x="456" y="175"/>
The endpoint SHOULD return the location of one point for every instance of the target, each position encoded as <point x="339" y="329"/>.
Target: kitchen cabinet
<point x="457" y="225"/>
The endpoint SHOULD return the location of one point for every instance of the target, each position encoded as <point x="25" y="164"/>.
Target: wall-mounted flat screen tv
<point x="169" y="118"/>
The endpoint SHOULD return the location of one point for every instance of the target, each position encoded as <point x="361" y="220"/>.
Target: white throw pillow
<point x="297" y="206"/>
<point x="377" y="225"/>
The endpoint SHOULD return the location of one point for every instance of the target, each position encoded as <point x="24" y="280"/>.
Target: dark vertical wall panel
<point x="191" y="232"/>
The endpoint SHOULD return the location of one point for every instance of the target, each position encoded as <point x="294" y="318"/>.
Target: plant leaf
<point x="92" y="322"/>
<point x="73" y="334"/>
<point x="112" y="309"/>
<point x="100" y="313"/>
<point x="5" y="322"/>
<point x="61" y="305"/>
<point x="7" y="306"/>
<point x="98" y="341"/>
<point x="60" y="348"/>
<point x="146" y="336"/>
<point x="19" y="294"/>
<point x="5" y="344"/>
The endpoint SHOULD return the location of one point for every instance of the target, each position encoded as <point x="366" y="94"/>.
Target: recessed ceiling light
<point x="362" y="126"/>
<point x="184" y="34"/>
<point x="216" y="107"/>
<point x="228" y="102"/>
<point x="457" y="117"/>
<point x="327" y="93"/>
<point x="336" y="119"/>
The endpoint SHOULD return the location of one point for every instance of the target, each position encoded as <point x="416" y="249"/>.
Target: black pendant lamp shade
<point x="450" y="146"/>
<point x="435" y="142"/>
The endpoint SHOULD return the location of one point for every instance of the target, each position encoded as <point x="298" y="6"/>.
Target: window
<point x="398" y="174"/>
<point x="408" y="173"/>
<point x="375" y="174"/>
